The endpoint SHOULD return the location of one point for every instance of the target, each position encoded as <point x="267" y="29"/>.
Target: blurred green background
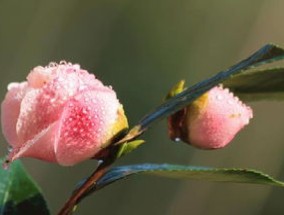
<point x="142" y="48"/>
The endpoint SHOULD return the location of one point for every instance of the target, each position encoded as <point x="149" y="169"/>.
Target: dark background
<point x="142" y="48"/>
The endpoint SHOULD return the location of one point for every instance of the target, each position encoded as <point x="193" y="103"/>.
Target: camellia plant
<point x="64" y="115"/>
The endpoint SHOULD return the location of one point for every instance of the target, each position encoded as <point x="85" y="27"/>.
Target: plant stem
<point x="91" y="181"/>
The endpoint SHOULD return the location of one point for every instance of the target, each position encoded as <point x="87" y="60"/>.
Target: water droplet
<point x="177" y="139"/>
<point x="82" y="87"/>
<point x="71" y="84"/>
<point x="219" y="97"/>
<point x="70" y="93"/>
<point x="75" y="66"/>
<point x="60" y="79"/>
<point x="62" y="62"/>
<point x="52" y="64"/>
<point x="230" y="102"/>
<point x="10" y="149"/>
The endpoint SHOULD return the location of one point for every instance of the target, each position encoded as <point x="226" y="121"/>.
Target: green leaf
<point x="234" y="175"/>
<point x="178" y="88"/>
<point x="258" y="84"/>
<point x="128" y="147"/>
<point x="18" y="193"/>
<point x="267" y="54"/>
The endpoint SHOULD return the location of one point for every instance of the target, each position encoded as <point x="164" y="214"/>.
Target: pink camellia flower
<point x="60" y="114"/>
<point x="211" y="121"/>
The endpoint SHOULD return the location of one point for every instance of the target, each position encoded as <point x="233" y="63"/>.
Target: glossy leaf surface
<point x="18" y="193"/>
<point x="234" y="175"/>
<point x="265" y="84"/>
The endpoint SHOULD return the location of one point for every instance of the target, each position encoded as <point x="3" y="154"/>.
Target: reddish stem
<point x="97" y="174"/>
<point x="76" y="196"/>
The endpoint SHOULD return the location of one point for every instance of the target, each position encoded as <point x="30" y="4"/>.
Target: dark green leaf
<point x="233" y="175"/>
<point x="258" y="84"/>
<point x="188" y="172"/>
<point x="266" y="54"/>
<point x="18" y="193"/>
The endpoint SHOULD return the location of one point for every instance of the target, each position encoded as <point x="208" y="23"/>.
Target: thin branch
<point x="69" y="206"/>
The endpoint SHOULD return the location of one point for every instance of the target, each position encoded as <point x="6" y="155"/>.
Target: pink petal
<point x="86" y="125"/>
<point x="39" y="76"/>
<point x="10" y="110"/>
<point x="40" y="147"/>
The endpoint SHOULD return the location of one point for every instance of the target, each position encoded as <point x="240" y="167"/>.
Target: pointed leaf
<point x="234" y="175"/>
<point x="258" y="84"/>
<point x="18" y="193"/>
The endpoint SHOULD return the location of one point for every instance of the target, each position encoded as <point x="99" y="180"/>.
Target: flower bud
<point x="61" y="114"/>
<point x="211" y="121"/>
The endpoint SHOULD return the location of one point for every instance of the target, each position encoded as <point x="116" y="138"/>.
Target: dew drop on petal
<point x="10" y="149"/>
<point x="230" y="102"/>
<point x="82" y="87"/>
<point x="84" y="111"/>
<point x="62" y="62"/>
<point x="219" y="97"/>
